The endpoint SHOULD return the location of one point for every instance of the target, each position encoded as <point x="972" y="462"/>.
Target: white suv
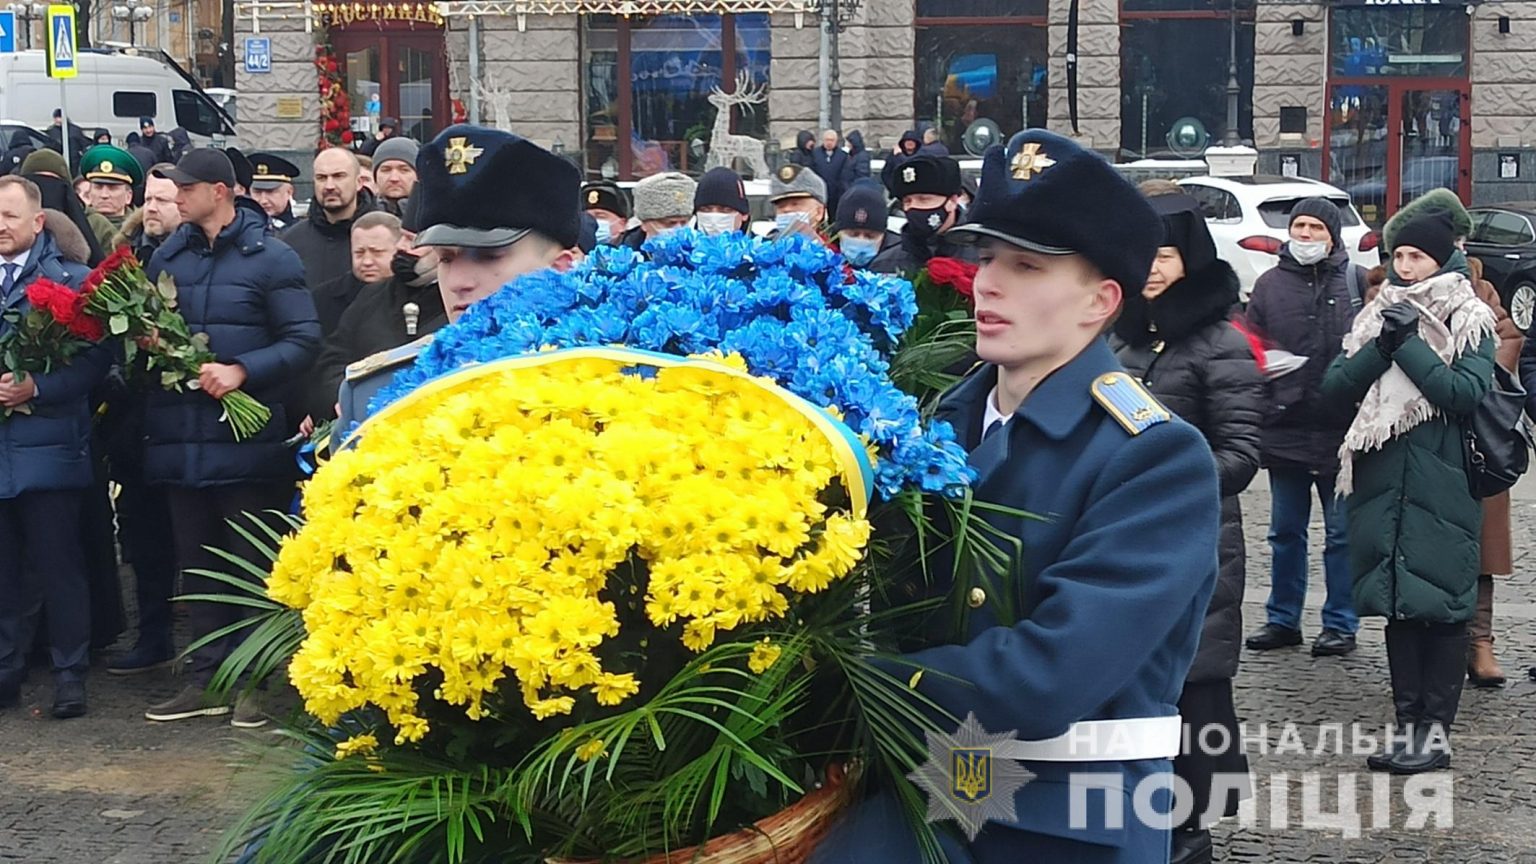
<point x="1249" y="218"/>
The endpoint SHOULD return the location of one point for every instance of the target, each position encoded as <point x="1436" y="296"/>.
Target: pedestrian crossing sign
<point x="61" y="45"/>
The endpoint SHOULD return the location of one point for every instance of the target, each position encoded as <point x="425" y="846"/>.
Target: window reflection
<point x="966" y="73"/>
<point x="1399" y="40"/>
<point x="1176" y="68"/>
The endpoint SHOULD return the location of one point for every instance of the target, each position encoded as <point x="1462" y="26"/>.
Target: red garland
<point x="335" y="108"/>
<point x="957" y="274"/>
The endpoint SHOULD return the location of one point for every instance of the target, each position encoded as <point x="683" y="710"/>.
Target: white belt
<point x="1103" y="741"/>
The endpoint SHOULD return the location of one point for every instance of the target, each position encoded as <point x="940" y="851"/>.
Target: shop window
<point x="981" y="8"/>
<point x="971" y="73"/>
<point x="1399" y="40"/>
<point x="1172" y="68"/>
<point x="1219" y="6"/>
<point x="648" y="83"/>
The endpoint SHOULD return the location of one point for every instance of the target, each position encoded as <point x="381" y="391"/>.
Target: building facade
<point x="1384" y="98"/>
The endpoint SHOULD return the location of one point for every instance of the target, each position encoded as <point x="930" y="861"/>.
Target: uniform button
<point x="977" y="598"/>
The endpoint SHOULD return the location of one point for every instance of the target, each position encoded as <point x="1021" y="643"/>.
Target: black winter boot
<point x="1404" y="659"/>
<point x="1443" y="658"/>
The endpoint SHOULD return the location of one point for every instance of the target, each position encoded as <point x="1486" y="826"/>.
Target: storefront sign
<point x="346" y="13"/>
<point x="290" y="108"/>
<point x="1386" y="2"/>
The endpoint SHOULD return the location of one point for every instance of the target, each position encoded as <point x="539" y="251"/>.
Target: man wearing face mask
<point x="663" y="204"/>
<point x="929" y="189"/>
<point x="799" y="200"/>
<point x="861" y="221"/>
<point x="720" y="203"/>
<point x="604" y="201"/>
<point x="402" y="308"/>
<point x="1306" y="305"/>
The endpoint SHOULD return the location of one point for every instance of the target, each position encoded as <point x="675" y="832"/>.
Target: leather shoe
<point x="1191" y="847"/>
<point x="1273" y="636"/>
<point x="1430" y="751"/>
<point x="68" y="700"/>
<point x="1333" y="643"/>
<point x="1383" y="761"/>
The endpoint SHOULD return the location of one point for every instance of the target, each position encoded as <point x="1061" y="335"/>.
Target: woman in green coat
<point x="1417" y="362"/>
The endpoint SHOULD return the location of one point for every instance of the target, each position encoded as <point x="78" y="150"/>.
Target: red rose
<point x="957" y="274"/>
<point x="346" y="137"/>
<point x="87" y="328"/>
<point x="55" y="299"/>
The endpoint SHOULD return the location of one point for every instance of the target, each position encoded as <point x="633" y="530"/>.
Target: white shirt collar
<point x="20" y="260"/>
<point x="992" y="414"/>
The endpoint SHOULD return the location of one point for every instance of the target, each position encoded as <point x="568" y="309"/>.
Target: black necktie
<point x="9" y="281"/>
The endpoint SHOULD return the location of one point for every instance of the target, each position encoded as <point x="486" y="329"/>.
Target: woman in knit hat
<point x="1417" y="362"/>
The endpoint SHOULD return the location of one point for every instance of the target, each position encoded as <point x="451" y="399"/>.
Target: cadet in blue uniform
<point x="1113" y="579"/>
<point x="494" y="206"/>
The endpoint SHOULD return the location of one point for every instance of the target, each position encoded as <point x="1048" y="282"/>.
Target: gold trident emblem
<point x="1030" y="161"/>
<point x="459" y="155"/>
<point x="972" y="774"/>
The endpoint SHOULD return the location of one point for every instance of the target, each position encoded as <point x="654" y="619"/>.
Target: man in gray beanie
<point x="663" y="203"/>
<point x="394" y="172"/>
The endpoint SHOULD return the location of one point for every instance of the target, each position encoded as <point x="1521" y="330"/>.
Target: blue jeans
<point x="1289" y="515"/>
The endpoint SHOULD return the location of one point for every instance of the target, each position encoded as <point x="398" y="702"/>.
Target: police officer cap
<point x="928" y="175"/>
<point x="863" y="208"/>
<point x="605" y="195"/>
<point x="484" y="188"/>
<point x="105" y="163"/>
<point x="1044" y="193"/>
<point x="269" y="171"/>
<point x="796" y="181"/>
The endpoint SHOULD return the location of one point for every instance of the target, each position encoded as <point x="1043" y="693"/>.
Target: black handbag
<point x="1498" y="443"/>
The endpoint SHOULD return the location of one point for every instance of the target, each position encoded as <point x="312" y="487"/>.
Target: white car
<point x="1249" y="218"/>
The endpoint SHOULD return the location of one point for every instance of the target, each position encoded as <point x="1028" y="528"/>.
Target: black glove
<point x="1398" y="322"/>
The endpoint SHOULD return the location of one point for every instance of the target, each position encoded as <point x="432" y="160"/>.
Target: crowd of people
<point x="1352" y="387"/>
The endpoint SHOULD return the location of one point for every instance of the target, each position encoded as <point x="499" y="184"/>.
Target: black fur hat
<point x="486" y="188"/>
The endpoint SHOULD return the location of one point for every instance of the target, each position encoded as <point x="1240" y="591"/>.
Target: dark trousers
<point x="1428" y="663"/>
<point x="98" y="538"/>
<point x="200" y="518"/>
<point x="144" y="524"/>
<point x="41" y="562"/>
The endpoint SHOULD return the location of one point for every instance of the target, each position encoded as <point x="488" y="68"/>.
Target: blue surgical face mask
<point x="786" y="222"/>
<point x="604" y="233"/>
<point x="859" y="251"/>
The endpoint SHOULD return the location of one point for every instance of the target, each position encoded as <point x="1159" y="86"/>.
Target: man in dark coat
<point x="905" y="149"/>
<point x="805" y="142"/>
<point x="928" y="188"/>
<point x="17" y="150"/>
<point x="1304" y="306"/>
<point x="1097" y="615"/>
<point x="392" y="313"/>
<point x="45" y="468"/>
<point x="324" y="240"/>
<point x="832" y="166"/>
<point x="245" y="290"/>
<point x="860" y="224"/>
<point x="858" y="157"/>
<point x="154" y="142"/>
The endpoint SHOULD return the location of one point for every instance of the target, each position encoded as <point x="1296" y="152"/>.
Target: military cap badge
<point x="1030" y="161"/>
<point x="459" y="155"/>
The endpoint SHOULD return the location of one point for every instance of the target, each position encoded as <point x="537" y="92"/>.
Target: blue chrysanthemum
<point x="789" y="308"/>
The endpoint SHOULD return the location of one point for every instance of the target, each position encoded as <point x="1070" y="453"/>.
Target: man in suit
<point x="482" y="241"/>
<point x="831" y="164"/>
<point x="45" y="451"/>
<point x="1080" y="643"/>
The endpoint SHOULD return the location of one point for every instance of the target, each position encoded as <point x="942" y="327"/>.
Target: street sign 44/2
<point x="258" y="54"/>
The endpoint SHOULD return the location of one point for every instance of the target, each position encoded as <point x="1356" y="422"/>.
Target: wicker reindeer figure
<point x="724" y="146"/>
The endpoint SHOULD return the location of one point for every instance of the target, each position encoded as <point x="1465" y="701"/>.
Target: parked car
<point x="1249" y="218"/>
<point x="1504" y="240"/>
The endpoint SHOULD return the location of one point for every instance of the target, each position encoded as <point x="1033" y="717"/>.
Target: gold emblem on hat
<point x="909" y="175"/>
<point x="106" y="166"/>
<point x="1029" y="161"/>
<point x="459" y="155"/>
<point x="787" y="173"/>
<point x="593" y="196"/>
<point x="262" y="169"/>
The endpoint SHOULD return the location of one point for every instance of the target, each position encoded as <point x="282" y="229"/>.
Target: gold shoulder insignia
<point x="1126" y="400"/>
<point x="387" y="359"/>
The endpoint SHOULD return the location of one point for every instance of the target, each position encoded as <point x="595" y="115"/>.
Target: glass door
<point x="1391" y="141"/>
<point x="1357" y="148"/>
<point x="395" y="72"/>
<point x="1430" y="143"/>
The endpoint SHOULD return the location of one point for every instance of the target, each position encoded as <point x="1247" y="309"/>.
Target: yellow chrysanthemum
<point x="764" y="655"/>
<point x="357" y="745"/>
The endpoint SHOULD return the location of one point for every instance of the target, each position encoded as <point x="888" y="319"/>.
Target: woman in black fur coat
<point x="1176" y="337"/>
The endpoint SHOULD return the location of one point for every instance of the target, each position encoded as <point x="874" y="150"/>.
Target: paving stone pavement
<point x="112" y="788"/>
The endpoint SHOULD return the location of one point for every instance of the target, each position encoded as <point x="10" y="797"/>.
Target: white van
<point x="113" y="89"/>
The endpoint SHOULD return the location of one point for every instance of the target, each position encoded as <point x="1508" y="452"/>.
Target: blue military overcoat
<point x="1110" y="590"/>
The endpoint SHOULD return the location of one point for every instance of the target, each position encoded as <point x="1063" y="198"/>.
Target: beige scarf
<point x="1452" y="320"/>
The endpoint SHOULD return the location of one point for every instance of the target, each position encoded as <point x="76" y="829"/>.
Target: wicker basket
<point x="787" y="837"/>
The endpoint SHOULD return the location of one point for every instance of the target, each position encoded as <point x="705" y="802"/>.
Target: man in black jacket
<point x="929" y="190"/>
<point x="1305" y="305"/>
<point x="324" y="240"/>
<point x="832" y="166"/>
<point x="386" y="315"/>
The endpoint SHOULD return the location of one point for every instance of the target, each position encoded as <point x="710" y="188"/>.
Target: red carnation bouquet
<point x="119" y="300"/>
<point x="56" y="328"/>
